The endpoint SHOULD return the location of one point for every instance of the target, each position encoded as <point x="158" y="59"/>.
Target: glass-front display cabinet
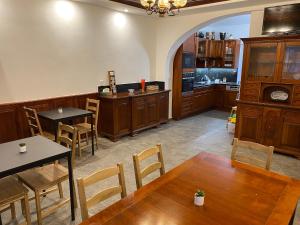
<point x="261" y="61"/>
<point x="291" y="62"/>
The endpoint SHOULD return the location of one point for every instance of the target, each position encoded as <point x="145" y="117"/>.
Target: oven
<point x="188" y="81"/>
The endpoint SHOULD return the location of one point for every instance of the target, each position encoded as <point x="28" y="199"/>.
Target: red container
<point x="143" y="82"/>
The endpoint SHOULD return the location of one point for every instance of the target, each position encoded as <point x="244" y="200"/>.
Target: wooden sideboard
<point x="271" y="64"/>
<point x="124" y="114"/>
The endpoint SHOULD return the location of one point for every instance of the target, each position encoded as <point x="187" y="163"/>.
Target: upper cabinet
<point x="291" y="62"/>
<point x="261" y="60"/>
<point x="217" y="53"/>
<point x="272" y="61"/>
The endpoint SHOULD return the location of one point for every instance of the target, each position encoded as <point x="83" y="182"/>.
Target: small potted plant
<point x="22" y="147"/>
<point x="199" y="198"/>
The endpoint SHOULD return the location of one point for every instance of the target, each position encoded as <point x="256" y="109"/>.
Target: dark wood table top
<point x="68" y="113"/>
<point x="38" y="149"/>
<point x="236" y="193"/>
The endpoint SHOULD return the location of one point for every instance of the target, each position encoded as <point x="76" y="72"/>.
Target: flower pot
<point x="22" y="148"/>
<point x="199" y="201"/>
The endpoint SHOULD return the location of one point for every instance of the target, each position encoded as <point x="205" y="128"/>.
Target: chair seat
<point x="49" y="135"/>
<point x="44" y="177"/>
<point x="10" y="190"/>
<point x="84" y="127"/>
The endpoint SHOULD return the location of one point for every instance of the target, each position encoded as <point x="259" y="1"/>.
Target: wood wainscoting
<point x="13" y="123"/>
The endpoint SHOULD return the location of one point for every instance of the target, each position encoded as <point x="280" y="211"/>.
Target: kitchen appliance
<point x="188" y="81"/>
<point x="188" y="60"/>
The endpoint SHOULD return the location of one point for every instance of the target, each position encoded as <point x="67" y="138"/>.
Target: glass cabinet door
<point x="291" y="62"/>
<point x="262" y="61"/>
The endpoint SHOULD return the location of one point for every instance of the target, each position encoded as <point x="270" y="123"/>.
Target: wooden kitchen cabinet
<point x="229" y="99"/>
<point x="124" y="114"/>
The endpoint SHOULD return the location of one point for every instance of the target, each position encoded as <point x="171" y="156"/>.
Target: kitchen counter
<point x="200" y="84"/>
<point x="136" y="94"/>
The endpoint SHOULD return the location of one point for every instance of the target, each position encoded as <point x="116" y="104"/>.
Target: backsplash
<point x="216" y="73"/>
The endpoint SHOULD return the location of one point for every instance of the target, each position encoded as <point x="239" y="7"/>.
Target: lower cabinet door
<point x="271" y="126"/>
<point x="123" y="116"/>
<point x="139" y="111"/>
<point x="152" y="115"/>
<point x="164" y="107"/>
<point x="250" y="123"/>
<point x="290" y="132"/>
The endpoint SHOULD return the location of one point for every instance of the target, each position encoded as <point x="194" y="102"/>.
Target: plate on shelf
<point x="279" y="96"/>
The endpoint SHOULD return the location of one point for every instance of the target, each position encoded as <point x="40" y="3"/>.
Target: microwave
<point x="188" y="60"/>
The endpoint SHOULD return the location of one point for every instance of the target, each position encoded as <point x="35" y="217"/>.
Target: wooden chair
<point x="84" y="128"/>
<point x="12" y="191"/>
<point x="255" y="147"/>
<point x="49" y="178"/>
<point x="34" y="124"/>
<point x="100" y="175"/>
<point x="137" y="158"/>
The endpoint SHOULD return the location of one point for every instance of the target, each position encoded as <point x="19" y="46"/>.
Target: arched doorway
<point x="236" y="25"/>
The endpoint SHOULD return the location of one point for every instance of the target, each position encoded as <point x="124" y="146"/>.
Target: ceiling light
<point x="163" y="7"/>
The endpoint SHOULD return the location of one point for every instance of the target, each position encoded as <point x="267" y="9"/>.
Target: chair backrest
<point x="141" y="173"/>
<point x="92" y="105"/>
<point x="100" y="175"/>
<point x="66" y="135"/>
<point x="239" y="145"/>
<point x="33" y="121"/>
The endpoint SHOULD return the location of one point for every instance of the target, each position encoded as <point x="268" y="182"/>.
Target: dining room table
<point x="235" y="194"/>
<point x="65" y="115"/>
<point x="39" y="151"/>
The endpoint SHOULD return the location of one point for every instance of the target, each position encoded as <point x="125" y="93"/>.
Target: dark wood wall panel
<point x="13" y="124"/>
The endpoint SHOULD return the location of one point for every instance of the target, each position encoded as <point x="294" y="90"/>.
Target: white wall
<point x="52" y="48"/>
<point x="238" y="26"/>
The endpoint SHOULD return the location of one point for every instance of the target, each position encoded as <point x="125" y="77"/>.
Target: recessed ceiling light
<point x="125" y="10"/>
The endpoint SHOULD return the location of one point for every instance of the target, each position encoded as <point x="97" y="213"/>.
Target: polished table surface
<point x="236" y="193"/>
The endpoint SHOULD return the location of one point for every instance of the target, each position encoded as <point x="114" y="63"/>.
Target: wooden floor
<point x="180" y="141"/>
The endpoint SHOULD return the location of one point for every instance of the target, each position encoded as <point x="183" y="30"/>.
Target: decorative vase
<point x="213" y="35"/>
<point x="198" y="201"/>
<point x="200" y="35"/>
<point x="222" y="36"/>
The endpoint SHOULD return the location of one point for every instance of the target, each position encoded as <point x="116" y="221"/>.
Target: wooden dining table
<point x="236" y="193"/>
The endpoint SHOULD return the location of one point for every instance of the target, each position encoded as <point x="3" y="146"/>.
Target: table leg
<point x="292" y="218"/>
<point x="71" y="186"/>
<point x="0" y="220"/>
<point x="55" y="130"/>
<point x="92" y="130"/>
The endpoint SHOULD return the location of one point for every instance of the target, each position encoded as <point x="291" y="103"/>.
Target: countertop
<point x="136" y="94"/>
<point x="199" y="85"/>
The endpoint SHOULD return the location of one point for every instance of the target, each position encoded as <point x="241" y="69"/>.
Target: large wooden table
<point x="236" y="193"/>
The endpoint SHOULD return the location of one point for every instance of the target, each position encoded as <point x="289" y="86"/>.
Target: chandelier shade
<point x="163" y="7"/>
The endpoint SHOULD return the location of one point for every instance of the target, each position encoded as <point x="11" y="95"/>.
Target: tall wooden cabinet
<point x="269" y="105"/>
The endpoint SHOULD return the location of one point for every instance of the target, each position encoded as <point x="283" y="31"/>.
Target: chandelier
<point x="163" y="7"/>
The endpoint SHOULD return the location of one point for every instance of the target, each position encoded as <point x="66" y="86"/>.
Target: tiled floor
<point x="180" y="140"/>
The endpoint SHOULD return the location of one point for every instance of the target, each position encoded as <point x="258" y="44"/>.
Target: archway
<point x="183" y="38"/>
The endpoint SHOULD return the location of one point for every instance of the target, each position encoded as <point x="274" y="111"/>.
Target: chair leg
<point x="60" y="190"/>
<point x="38" y="207"/>
<point x="79" y="143"/>
<point x="87" y="138"/>
<point x="13" y="211"/>
<point x="26" y="209"/>
<point x="96" y="137"/>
